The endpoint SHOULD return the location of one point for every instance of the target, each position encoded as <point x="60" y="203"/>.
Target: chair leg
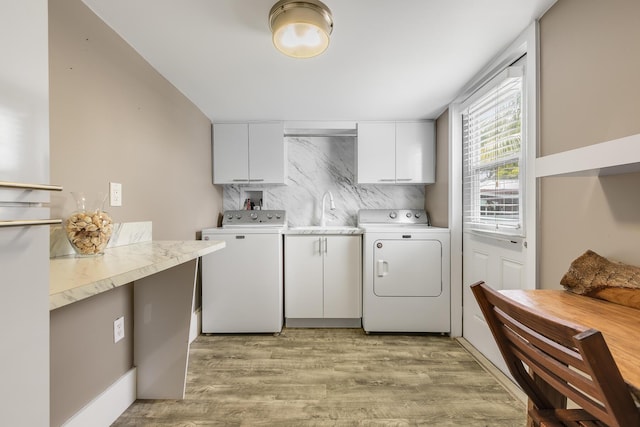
<point x="563" y="418"/>
<point x="544" y="418"/>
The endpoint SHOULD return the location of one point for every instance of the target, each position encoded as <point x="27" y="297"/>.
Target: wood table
<point x="620" y="325"/>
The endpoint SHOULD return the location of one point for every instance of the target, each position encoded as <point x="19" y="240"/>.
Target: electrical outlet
<point x="115" y="194"/>
<point x="118" y="329"/>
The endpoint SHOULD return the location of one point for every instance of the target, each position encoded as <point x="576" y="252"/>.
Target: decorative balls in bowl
<point x="88" y="228"/>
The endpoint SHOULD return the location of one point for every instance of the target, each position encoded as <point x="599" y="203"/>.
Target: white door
<point x="502" y="265"/>
<point x="499" y="188"/>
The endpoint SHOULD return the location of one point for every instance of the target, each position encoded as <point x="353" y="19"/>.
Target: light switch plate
<point x="118" y="329"/>
<point x="115" y="194"/>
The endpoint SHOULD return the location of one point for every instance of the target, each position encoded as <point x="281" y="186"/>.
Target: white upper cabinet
<point x="415" y="152"/>
<point x="267" y="153"/>
<point x="396" y="152"/>
<point x="245" y="153"/>
<point x="230" y="153"/>
<point x="376" y="153"/>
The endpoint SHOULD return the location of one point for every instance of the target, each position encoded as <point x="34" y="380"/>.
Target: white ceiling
<point x="388" y="59"/>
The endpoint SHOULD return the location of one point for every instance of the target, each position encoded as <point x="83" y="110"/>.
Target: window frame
<point x="472" y="209"/>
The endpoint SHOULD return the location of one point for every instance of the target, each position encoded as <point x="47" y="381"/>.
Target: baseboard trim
<point x="504" y="380"/>
<point x="324" y="323"/>
<point x="105" y="408"/>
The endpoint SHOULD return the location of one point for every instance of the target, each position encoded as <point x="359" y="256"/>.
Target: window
<point x="492" y="156"/>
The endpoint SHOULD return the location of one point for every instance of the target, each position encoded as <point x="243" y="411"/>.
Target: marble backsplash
<point x="124" y="233"/>
<point x="319" y="164"/>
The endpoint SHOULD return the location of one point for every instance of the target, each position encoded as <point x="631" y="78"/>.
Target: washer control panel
<point x="393" y="216"/>
<point x="256" y="218"/>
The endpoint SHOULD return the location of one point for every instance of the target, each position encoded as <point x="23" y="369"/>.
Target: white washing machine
<point x="242" y="285"/>
<point x="406" y="272"/>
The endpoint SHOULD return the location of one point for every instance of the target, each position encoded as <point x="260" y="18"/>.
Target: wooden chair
<point x="571" y="359"/>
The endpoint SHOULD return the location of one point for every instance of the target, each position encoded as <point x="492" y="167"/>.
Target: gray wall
<point x="589" y="94"/>
<point x="114" y="118"/>
<point x="84" y="358"/>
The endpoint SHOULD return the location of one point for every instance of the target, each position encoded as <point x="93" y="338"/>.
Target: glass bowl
<point x="88" y="228"/>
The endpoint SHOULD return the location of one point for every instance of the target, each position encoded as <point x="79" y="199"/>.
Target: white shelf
<point x="319" y="128"/>
<point x="607" y="158"/>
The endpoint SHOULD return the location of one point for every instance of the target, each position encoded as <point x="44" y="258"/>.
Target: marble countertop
<point x="329" y="229"/>
<point x="73" y="279"/>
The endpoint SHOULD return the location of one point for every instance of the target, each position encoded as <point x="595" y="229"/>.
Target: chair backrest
<point x="572" y="359"/>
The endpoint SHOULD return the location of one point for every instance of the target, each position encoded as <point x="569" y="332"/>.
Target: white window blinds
<point x="492" y="156"/>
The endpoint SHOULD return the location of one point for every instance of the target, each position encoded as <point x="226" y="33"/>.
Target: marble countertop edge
<point x="329" y="230"/>
<point x="74" y="279"/>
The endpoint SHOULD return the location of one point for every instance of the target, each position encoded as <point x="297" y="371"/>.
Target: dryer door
<point x="407" y="268"/>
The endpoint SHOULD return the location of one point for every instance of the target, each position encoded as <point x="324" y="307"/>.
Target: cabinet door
<point x="267" y="153"/>
<point x="415" y="152"/>
<point x="376" y="153"/>
<point x="342" y="277"/>
<point x="230" y="153"/>
<point x="303" y="277"/>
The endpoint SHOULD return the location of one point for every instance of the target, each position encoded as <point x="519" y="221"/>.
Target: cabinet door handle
<point x="326" y="245"/>
<point x="404" y="179"/>
<point x="23" y="186"/>
<point x="322" y="245"/>
<point x="256" y="180"/>
<point x="239" y="180"/>
<point x="382" y="268"/>
<point x="386" y="180"/>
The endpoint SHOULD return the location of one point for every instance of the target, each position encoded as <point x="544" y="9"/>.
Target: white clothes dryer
<point x="406" y="272"/>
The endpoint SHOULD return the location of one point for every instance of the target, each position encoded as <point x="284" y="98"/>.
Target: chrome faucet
<point x="332" y="206"/>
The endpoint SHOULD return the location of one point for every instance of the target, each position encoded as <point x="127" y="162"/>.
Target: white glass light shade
<point x="300" y="29"/>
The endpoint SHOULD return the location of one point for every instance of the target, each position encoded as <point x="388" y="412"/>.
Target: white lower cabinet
<point x="323" y="277"/>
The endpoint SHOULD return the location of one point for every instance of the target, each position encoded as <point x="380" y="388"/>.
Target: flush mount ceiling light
<point x="300" y="29"/>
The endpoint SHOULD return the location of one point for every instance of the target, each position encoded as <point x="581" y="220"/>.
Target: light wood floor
<point x="332" y="377"/>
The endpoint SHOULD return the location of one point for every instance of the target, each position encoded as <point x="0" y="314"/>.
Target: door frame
<point x="526" y="43"/>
